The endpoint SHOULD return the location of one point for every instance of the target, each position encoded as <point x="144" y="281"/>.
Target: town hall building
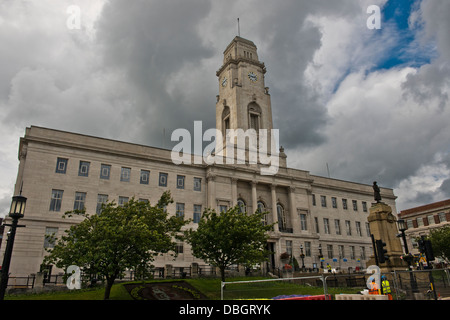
<point x="319" y="219"/>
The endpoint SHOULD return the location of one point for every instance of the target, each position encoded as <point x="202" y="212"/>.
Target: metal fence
<point x="428" y="284"/>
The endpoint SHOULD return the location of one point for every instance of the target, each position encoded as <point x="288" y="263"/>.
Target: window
<point x="61" y="165"/>
<point x="430" y="219"/>
<point x="223" y="208"/>
<point x="368" y="229"/>
<point x="180" y="210"/>
<point x="316" y="220"/>
<point x="348" y="227"/>
<point x="337" y="226"/>
<point x="179" y="247"/>
<point x="55" y="202"/>
<point x="326" y="225"/>
<point x="101" y="199"/>
<point x="242" y="206"/>
<point x="289" y="247"/>
<point x="281" y="217"/>
<point x="307" y="248"/>
<point x="344" y="204"/>
<point x="123" y="201"/>
<point x="197" y="184"/>
<point x="352" y="252"/>
<point x="145" y="177"/>
<point x="83" y="170"/>
<point x="442" y="217"/>
<point x="49" y="239"/>
<point x="197" y="213"/>
<point x="355" y="205"/>
<point x="420" y="222"/>
<point x="314" y="199"/>
<point x="162" y="179"/>
<point x="262" y="208"/>
<point x="334" y="202"/>
<point x="180" y="182"/>
<point x="358" y="228"/>
<point x="362" y="253"/>
<point x="323" y="201"/>
<point x="105" y="171"/>
<point x="254" y="115"/>
<point x="410" y="224"/>
<point x="364" y="205"/>
<point x="254" y="121"/>
<point x="303" y="224"/>
<point x="125" y="174"/>
<point x="80" y="198"/>
<point x="330" y="251"/>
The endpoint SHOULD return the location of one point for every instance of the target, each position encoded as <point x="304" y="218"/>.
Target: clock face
<point x="224" y="82"/>
<point x="253" y="77"/>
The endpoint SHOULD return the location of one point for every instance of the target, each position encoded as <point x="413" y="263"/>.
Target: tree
<point x="117" y="239"/>
<point x="440" y="241"/>
<point x="229" y="237"/>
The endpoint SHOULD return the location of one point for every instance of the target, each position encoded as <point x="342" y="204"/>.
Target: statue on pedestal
<point x="376" y="192"/>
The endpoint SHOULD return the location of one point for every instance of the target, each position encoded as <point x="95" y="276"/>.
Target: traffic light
<point x="381" y="251"/>
<point x="429" y="250"/>
<point x="421" y="244"/>
<point x="426" y="248"/>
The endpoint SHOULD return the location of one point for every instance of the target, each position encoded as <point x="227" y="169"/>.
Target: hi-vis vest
<point x="386" y="286"/>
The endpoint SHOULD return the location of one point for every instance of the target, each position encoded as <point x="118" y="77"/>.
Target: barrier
<point x="361" y="297"/>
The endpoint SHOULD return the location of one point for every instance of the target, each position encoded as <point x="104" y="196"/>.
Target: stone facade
<point x="420" y="220"/>
<point x="59" y="171"/>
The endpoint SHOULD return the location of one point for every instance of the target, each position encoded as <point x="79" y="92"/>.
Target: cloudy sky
<point x="372" y="103"/>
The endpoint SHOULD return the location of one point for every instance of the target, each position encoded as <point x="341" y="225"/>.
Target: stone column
<point x="234" y="193"/>
<point x="254" y="199"/>
<point x="292" y="210"/>
<point x="273" y="188"/>
<point x="210" y="177"/>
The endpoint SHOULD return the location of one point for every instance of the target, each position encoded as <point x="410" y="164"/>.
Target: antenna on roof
<point x="239" y="28"/>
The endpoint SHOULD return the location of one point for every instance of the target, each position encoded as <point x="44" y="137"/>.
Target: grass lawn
<point x="209" y="287"/>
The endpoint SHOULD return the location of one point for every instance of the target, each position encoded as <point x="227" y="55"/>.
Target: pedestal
<point x="383" y="226"/>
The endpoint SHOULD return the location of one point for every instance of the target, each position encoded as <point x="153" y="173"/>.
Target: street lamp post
<point x="16" y="212"/>
<point x="320" y="255"/>
<point x="302" y="256"/>
<point x="402" y="227"/>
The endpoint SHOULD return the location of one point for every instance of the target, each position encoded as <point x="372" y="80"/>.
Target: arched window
<point x="254" y="116"/>
<point x="262" y="208"/>
<point x="242" y="206"/>
<point x="281" y="217"/>
<point x="225" y="119"/>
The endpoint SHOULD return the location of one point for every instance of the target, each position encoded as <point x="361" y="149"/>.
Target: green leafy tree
<point x="440" y="241"/>
<point x="230" y="237"/>
<point x="120" y="238"/>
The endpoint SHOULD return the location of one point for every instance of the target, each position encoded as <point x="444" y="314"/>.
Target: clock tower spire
<point x="243" y="101"/>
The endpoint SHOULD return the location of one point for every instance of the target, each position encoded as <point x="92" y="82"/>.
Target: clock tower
<point x="243" y="101"/>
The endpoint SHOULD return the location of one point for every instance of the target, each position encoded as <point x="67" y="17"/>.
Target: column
<point x="254" y="199"/>
<point x="234" y="193"/>
<point x="292" y="210"/>
<point x="273" y="188"/>
<point x="210" y="177"/>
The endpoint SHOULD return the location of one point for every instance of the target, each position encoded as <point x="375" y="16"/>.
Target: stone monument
<point x="383" y="227"/>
